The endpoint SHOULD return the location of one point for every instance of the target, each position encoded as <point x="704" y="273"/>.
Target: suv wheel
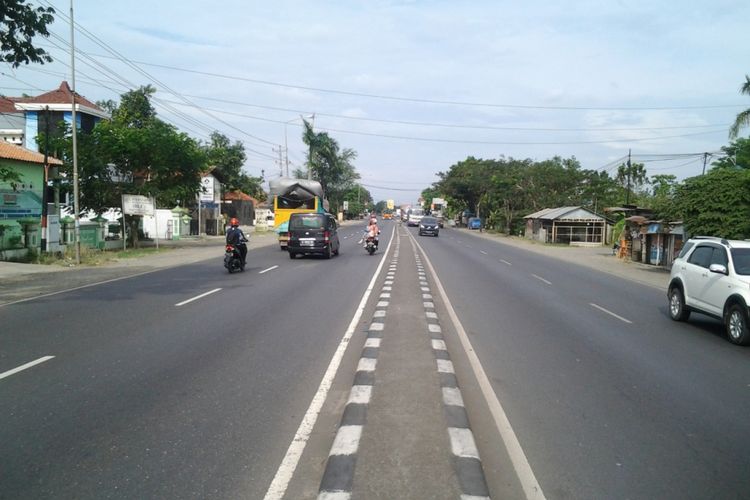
<point x="328" y="252"/>
<point x="677" y="309"/>
<point x="737" y="329"/>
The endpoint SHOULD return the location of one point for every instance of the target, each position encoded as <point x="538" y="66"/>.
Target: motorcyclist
<point x="373" y="230"/>
<point x="236" y="237"/>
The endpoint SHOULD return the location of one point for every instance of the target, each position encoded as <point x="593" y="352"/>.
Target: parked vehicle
<point x="712" y="276"/>
<point x="475" y="223"/>
<point x="429" y="225"/>
<point x="233" y="259"/>
<point x="313" y="233"/>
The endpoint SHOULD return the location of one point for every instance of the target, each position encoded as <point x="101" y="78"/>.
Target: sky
<point x="416" y="86"/>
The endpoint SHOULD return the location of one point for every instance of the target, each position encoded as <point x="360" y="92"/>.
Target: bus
<point x="294" y="196"/>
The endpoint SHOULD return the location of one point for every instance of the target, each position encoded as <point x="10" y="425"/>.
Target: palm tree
<point x="743" y="119"/>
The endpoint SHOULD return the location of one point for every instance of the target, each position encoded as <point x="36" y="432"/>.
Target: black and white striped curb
<point x="338" y="477"/>
<point x="466" y="459"/>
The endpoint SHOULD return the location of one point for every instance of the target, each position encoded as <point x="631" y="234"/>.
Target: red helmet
<point x="234" y="222"/>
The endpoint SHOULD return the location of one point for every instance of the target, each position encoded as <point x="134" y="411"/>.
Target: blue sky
<point x="529" y="79"/>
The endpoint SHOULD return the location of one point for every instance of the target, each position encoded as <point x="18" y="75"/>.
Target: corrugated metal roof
<point x="563" y="213"/>
<point x="10" y="151"/>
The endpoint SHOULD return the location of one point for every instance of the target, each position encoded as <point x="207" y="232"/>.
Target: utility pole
<point x="77" y="230"/>
<point x="280" y="160"/>
<point x="46" y="179"/>
<point x="705" y="159"/>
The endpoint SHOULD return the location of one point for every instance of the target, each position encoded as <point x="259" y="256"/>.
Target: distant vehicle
<point x="387" y="215"/>
<point x="415" y="215"/>
<point x="475" y="223"/>
<point x="313" y="233"/>
<point x="429" y="225"/>
<point x="712" y="276"/>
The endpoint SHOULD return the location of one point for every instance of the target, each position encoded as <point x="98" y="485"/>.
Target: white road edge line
<point x="610" y="313"/>
<point x="26" y="366"/>
<point x="293" y="454"/>
<point x="266" y="270"/>
<point x="542" y="279"/>
<point x="521" y="465"/>
<point x="197" y="297"/>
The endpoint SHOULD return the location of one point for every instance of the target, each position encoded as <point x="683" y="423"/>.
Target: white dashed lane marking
<point x="610" y="313"/>
<point x="542" y="279"/>
<point x="197" y="297"/>
<point x="25" y="366"/>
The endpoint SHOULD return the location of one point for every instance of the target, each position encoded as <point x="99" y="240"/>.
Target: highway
<point x="192" y="383"/>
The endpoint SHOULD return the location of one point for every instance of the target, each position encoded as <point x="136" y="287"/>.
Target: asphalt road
<point x="145" y="398"/>
<point x="609" y="398"/>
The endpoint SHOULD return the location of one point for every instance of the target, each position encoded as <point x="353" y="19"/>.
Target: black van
<point x="313" y="233"/>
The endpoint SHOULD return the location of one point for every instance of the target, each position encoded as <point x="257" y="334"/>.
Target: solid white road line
<point x="266" y="270"/>
<point x="197" y="297"/>
<point x="288" y="465"/>
<point x="541" y="279"/>
<point x="610" y="313"/>
<point x="521" y="465"/>
<point x="26" y="366"/>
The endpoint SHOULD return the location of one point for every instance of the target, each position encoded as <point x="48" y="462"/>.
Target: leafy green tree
<point x="716" y="204"/>
<point x="19" y="24"/>
<point x="331" y="166"/>
<point x="743" y="118"/>
<point x="664" y="188"/>
<point x="632" y="177"/>
<point x="736" y="155"/>
<point x="381" y="206"/>
<point x="134" y="153"/>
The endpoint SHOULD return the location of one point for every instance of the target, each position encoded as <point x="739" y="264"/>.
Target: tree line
<point x="502" y="191"/>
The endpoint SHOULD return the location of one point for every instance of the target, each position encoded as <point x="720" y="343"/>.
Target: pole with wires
<point x="74" y="127"/>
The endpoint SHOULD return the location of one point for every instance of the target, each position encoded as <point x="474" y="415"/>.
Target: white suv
<point x="712" y="276"/>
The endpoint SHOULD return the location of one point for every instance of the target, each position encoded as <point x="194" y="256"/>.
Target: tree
<point x="743" y="118"/>
<point x="736" y="155"/>
<point x="19" y="24"/>
<point x="632" y="177"/>
<point x="134" y="153"/>
<point x="717" y="203"/>
<point x="662" y="200"/>
<point x="331" y="166"/>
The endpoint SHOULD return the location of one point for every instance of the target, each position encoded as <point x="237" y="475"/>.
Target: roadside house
<point x="21" y="202"/>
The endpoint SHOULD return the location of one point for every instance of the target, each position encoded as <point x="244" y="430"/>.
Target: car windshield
<point x="307" y="221"/>
<point x="429" y="220"/>
<point x="741" y="259"/>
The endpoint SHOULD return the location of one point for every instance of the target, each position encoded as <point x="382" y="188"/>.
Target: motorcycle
<point x="371" y="245"/>
<point x="233" y="259"/>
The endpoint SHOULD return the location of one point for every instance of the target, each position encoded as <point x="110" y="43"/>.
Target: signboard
<point x="390" y="204"/>
<point x="134" y="204"/>
<point x="346" y="205"/>
<point x="207" y="188"/>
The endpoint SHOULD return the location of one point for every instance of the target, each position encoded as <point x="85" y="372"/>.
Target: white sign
<point x="134" y="204"/>
<point x="346" y="205"/>
<point x="207" y="188"/>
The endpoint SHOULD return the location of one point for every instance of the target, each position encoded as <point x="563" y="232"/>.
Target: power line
<point x="432" y="101"/>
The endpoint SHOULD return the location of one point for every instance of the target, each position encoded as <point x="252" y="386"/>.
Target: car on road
<point x="712" y="276"/>
<point x="314" y="234"/>
<point x="428" y="225"/>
